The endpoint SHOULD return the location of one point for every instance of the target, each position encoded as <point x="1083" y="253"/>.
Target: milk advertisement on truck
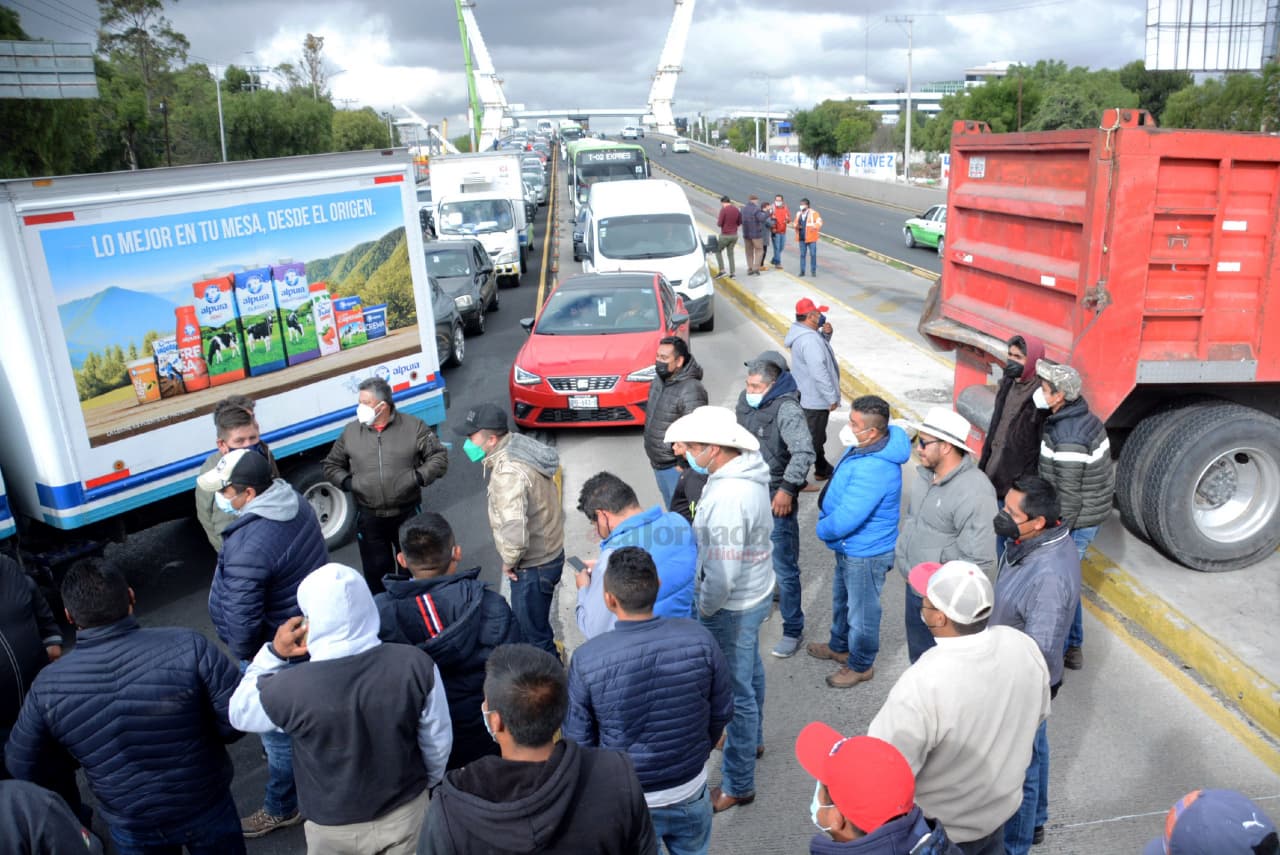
<point x="100" y="269"/>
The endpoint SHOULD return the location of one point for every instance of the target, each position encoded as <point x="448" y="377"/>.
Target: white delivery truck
<point x="134" y="301"/>
<point x="482" y="195"/>
<point x="647" y="225"/>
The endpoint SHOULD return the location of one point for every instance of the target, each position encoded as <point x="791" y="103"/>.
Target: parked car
<point x="450" y="340"/>
<point x="680" y="145"/>
<point x="928" y="229"/>
<point x="464" y="271"/>
<point x="589" y="358"/>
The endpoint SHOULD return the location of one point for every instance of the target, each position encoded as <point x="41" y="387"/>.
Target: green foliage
<point x="741" y="134"/>
<point x="1077" y="98"/>
<point x="102" y="372"/>
<point x="1238" y="103"/>
<point x="462" y="143"/>
<point x="1153" y="88"/>
<point x="266" y="123"/>
<point x="354" y="130"/>
<point x="836" y="127"/>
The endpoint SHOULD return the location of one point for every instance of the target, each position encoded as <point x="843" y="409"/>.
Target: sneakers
<point x="847" y="678"/>
<point x="1037" y="836"/>
<point x="820" y="650"/>
<point x="260" y="823"/>
<point x="786" y="647"/>
<point x="1074" y="658"/>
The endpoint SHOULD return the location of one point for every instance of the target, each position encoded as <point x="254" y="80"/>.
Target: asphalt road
<point x="863" y="223"/>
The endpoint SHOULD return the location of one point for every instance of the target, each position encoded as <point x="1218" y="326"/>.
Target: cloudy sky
<point x="604" y="52"/>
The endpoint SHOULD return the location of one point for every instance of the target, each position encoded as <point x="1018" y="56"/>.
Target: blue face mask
<point x="224" y="505"/>
<point x="754" y="399"/>
<point x="693" y="464"/>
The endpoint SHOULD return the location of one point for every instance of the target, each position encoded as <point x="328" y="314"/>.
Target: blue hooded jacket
<point x="668" y="537"/>
<point x="899" y="836"/>
<point x="859" y="508"/>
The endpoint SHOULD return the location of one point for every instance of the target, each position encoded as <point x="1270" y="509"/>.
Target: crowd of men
<point x="764" y="226"/>
<point x="406" y="707"/>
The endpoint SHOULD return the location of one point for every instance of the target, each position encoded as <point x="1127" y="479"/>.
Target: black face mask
<point x="662" y="370"/>
<point x="1005" y="526"/>
<point x="1013" y="370"/>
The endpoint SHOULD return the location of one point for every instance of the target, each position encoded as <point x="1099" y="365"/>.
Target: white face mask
<point x="1037" y="398"/>
<point x="365" y="414"/>
<point x="848" y="438"/>
<point x="816" y="805"/>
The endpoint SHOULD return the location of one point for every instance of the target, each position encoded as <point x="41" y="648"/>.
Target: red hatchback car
<point x="589" y="358"/>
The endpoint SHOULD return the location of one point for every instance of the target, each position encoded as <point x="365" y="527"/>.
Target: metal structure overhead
<point x="488" y="85"/>
<point x="431" y="130"/>
<point x="662" y="93"/>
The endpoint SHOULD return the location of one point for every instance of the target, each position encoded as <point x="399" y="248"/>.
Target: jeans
<point x="738" y="634"/>
<point x="531" y="596"/>
<point x="378" y="539"/>
<point x="817" y="421"/>
<point x="992" y="844"/>
<point x="1083" y="537"/>
<point x="811" y="250"/>
<point x="1034" y="810"/>
<point x="216" y="832"/>
<point x="685" y="828"/>
<point x="855" y="607"/>
<point x="281" y="798"/>
<point x="724" y="242"/>
<point x="786" y="569"/>
<point x="919" y="639"/>
<point x="667" y="480"/>
<point x="779" y="243"/>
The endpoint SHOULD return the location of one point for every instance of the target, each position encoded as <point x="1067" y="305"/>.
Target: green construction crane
<point x="471" y="79"/>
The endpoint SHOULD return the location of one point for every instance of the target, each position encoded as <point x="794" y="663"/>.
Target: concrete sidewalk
<point x="1218" y="625"/>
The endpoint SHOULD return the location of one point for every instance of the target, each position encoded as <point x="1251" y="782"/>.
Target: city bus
<point x="591" y="161"/>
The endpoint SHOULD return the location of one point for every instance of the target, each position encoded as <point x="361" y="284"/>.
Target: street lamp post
<point x="168" y="151"/>
<point x="222" y="129"/>
<point x="906" y="163"/>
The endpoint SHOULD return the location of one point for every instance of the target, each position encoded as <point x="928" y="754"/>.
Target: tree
<point x="266" y="123"/>
<point x="1153" y="88"/>
<point x="462" y="143"/>
<point x="1236" y="104"/>
<point x="313" y="64"/>
<point x="137" y="34"/>
<point x="354" y="130"/>
<point x="741" y="134"/>
<point x="1077" y="98"/>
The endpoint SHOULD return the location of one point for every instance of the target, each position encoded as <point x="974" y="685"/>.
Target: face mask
<point x="777" y="203"/>
<point x="224" y="505"/>
<point x="693" y="464"/>
<point x="804" y="207"/>
<point x="474" y="452"/>
<point x="1037" y="398"/>
<point x="365" y="414"/>
<point x="848" y="437"/>
<point x="754" y="399"/>
<point x="1013" y="370"/>
<point x="1005" y="526"/>
<point x="662" y="370"/>
<point x="484" y="716"/>
<point x="816" y="805"/>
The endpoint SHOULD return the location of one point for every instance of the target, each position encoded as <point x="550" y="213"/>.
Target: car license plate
<point x="584" y="402"/>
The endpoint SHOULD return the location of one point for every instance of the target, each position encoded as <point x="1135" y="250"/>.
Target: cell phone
<point x="305" y="626"/>
<point x="576" y="563"/>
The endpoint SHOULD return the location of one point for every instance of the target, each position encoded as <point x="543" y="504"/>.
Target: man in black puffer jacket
<point x="144" y="711"/>
<point x="676" y="391"/>
<point x="452" y="616"/>
<point x="272" y="545"/>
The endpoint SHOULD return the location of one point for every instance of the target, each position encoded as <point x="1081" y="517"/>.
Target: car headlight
<point x="698" y="279"/>
<point x="525" y="378"/>
<point x="644" y="375"/>
<point x="463" y="302"/>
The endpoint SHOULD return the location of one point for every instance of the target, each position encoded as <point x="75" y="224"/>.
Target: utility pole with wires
<point x="906" y="163"/>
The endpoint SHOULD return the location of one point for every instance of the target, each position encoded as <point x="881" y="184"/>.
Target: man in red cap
<point x="863" y="800"/>
<point x="813" y="364"/>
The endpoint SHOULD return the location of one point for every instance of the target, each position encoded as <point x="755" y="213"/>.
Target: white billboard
<point x="47" y="70"/>
<point x="1186" y="35"/>
<point x="880" y="165"/>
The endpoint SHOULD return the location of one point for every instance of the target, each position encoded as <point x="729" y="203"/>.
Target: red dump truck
<point x="1148" y="259"/>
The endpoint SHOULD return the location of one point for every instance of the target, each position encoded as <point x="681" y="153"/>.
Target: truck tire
<point x="1133" y="468"/>
<point x="1212" y="498"/>
<point x="334" y="508"/>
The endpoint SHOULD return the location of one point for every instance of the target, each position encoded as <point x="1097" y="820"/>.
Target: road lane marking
<point x="546" y="240"/>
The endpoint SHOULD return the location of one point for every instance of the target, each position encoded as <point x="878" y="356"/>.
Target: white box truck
<point x="482" y="195"/>
<point x="108" y="382"/>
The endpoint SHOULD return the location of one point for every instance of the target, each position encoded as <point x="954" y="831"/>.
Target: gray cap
<point x="772" y="357"/>
<point x="1064" y="378"/>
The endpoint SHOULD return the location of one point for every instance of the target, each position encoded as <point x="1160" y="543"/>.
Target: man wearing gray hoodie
<point x="813" y="364"/>
<point x="733" y="585"/>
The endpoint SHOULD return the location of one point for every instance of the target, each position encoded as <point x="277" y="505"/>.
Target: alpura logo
<point x="255" y="285"/>
<point x="212" y="294"/>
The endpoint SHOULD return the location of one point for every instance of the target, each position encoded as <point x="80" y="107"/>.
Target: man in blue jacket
<point x="858" y="521"/>
<point x="616" y="517"/>
<point x="657" y="689"/>
<point x="271" y="546"/>
<point x="144" y="712"/>
<point x="453" y="617"/>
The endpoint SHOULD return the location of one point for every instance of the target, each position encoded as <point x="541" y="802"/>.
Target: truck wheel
<point x="1212" y="499"/>
<point x="335" y="509"/>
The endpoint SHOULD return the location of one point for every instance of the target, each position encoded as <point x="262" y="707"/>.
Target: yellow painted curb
<point x="546" y="239"/>
<point x="1257" y="697"/>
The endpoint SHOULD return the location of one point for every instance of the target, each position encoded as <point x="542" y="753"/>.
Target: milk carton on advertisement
<point x="325" y="324"/>
<point x="260" y="320"/>
<point x="215" y="304"/>
<point x="348" y="313"/>
<point x="293" y="297"/>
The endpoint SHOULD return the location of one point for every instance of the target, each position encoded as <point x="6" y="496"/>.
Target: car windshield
<point x="475" y="217"/>
<point x="601" y="311"/>
<point x="599" y="172"/>
<point x="448" y="262"/>
<point x="647" y="236"/>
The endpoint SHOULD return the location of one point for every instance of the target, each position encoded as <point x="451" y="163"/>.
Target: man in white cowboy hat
<point x="733" y="585"/>
<point x="949" y="512"/>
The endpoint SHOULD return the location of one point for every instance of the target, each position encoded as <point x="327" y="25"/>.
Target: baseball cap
<point x="772" y="357"/>
<point x="1213" y="822"/>
<point x="869" y="780"/>
<point x="486" y="416"/>
<point x="243" y="466"/>
<point x="804" y="306"/>
<point x="1064" y="378"/>
<point x="958" y="589"/>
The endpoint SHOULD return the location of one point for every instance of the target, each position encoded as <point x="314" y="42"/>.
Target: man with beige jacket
<point x="525" y="514"/>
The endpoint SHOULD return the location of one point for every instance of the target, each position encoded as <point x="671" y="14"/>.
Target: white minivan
<point x="647" y="225"/>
